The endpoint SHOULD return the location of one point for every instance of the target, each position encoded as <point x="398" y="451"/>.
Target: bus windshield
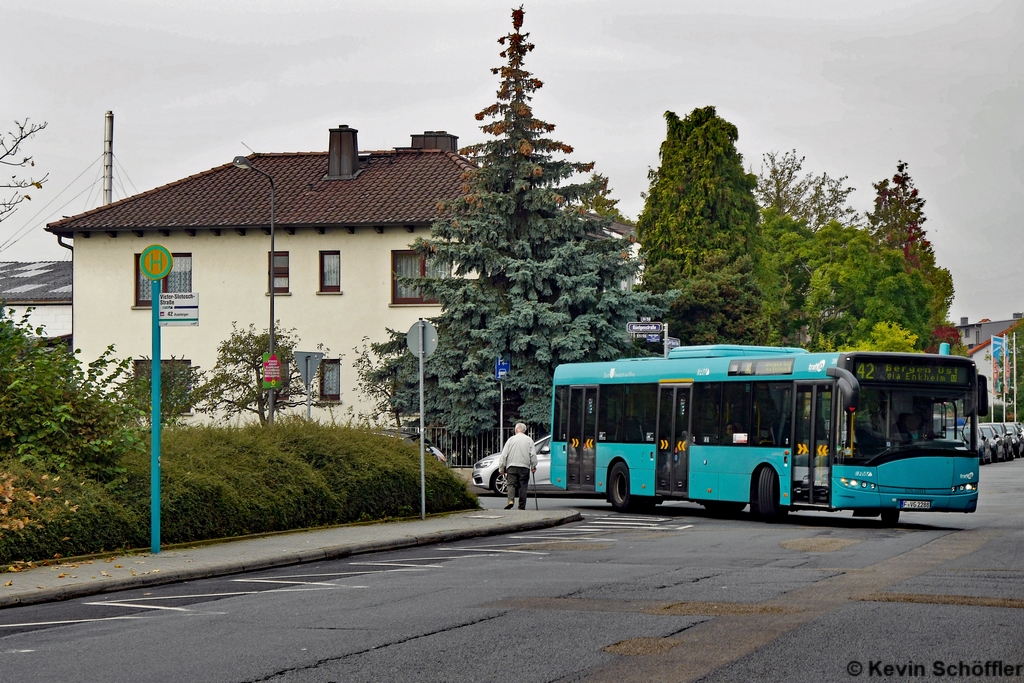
<point x="891" y="421"/>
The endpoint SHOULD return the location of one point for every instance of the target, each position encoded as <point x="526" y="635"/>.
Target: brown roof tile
<point x="394" y="187"/>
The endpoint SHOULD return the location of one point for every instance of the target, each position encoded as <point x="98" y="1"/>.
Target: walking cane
<point x="533" y="476"/>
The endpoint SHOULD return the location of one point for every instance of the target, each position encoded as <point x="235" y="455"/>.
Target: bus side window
<point x="609" y="416"/>
<point x="770" y="419"/>
<point x="736" y="414"/>
<point x="640" y="414"/>
<point x="707" y="407"/>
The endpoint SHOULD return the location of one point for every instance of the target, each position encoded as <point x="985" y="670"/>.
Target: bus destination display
<point x="909" y="373"/>
<point x="771" y="366"/>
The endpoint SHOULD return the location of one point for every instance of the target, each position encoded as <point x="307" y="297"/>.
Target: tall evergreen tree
<point x="700" y="222"/>
<point x="535" y="279"/>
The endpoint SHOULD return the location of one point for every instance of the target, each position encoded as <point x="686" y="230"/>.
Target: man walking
<point x="518" y="460"/>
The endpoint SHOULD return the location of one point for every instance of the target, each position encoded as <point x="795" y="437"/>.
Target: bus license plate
<point x="915" y="504"/>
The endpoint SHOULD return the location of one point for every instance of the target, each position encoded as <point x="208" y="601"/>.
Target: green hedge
<point x="219" y="482"/>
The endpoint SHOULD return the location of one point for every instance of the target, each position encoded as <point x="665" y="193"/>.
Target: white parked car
<point x="485" y="471"/>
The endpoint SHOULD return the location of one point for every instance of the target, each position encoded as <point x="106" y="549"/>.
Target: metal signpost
<point x="651" y="332"/>
<point x="422" y="340"/>
<point x="155" y="262"/>
<point x="308" y="362"/>
<point x="501" y="368"/>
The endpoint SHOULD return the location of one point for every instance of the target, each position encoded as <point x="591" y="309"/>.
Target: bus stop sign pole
<point x="155" y="262"/>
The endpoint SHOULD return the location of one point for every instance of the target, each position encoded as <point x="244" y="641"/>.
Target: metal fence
<point x="461" y="450"/>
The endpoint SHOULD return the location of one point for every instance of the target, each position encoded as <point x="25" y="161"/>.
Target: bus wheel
<point x="618" y="487"/>
<point x="890" y="516"/>
<point x="768" y="495"/>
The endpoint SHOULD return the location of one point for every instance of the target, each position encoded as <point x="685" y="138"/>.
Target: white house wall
<point x="55" y="319"/>
<point x="229" y="272"/>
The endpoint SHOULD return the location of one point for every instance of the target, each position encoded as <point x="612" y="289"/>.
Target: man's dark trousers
<point x="518" y="480"/>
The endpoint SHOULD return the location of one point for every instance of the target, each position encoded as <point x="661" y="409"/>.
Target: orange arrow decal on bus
<point x="801" y="449"/>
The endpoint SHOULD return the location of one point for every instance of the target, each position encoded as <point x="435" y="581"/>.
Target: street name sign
<point x="179" y="309"/>
<point x="643" y="328"/>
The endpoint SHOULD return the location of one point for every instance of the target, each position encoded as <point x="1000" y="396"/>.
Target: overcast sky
<point x="853" y="86"/>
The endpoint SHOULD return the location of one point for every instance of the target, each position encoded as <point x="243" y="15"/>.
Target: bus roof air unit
<point x="731" y="351"/>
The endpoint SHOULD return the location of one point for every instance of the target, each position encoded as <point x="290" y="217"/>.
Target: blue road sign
<point x="502" y="367"/>
<point x="653" y="337"/>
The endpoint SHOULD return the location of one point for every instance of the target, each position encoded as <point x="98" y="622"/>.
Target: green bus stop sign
<point x="155" y="262"/>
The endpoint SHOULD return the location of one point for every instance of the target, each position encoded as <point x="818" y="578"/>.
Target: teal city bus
<point x="779" y="429"/>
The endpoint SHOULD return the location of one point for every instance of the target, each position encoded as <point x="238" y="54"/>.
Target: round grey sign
<point x="412" y="339"/>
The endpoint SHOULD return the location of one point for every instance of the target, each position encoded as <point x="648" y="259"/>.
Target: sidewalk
<point x="77" y="579"/>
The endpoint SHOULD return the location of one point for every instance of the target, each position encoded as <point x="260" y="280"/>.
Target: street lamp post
<point x="243" y="162"/>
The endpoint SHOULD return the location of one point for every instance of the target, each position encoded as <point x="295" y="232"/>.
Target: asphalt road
<point x="676" y="595"/>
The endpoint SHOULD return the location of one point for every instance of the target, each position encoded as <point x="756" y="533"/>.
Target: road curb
<point x="304" y="556"/>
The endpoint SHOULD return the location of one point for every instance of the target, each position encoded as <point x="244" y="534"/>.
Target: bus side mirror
<point x="982" y="396"/>
<point x="849" y="387"/>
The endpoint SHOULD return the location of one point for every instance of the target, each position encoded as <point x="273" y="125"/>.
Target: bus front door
<point x="581" y="449"/>
<point x="672" y="473"/>
<point x="812" y="471"/>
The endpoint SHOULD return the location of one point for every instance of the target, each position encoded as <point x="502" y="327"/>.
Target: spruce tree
<point x="699" y="230"/>
<point x="535" y="277"/>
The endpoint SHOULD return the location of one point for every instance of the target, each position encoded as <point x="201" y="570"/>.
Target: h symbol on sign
<point x="155" y="261"/>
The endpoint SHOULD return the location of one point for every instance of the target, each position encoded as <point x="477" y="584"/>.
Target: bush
<point x="56" y="415"/>
<point x="218" y="482"/>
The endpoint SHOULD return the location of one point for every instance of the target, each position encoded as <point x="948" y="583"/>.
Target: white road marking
<point x="295" y="583"/>
<point x="393" y="564"/>
<point x="497" y="550"/>
<point x="367" y="572"/>
<point x="635" y="525"/>
<point x="114" y="603"/>
<point x="553" y="539"/>
<point x="68" y="621"/>
<point x="688" y="526"/>
<point x="18" y="652"/>
<point x="179" y="597"/>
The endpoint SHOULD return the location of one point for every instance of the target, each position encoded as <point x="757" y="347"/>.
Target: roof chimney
<point x="343" y="156"/>
<point x="436" y="139"/>
<point x="963" y="322"/>
<point x="1017" y="316"/>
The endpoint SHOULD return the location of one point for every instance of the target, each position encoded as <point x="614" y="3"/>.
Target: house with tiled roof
<point x="344" y="221"/>
<point x="42" y="291"/>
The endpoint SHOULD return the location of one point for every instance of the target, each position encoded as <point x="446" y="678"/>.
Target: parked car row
<point x="999" y="441"/>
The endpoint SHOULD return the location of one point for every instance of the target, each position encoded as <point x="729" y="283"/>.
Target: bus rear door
<point x="581" y="449"/>
<point x="672" y="474"/>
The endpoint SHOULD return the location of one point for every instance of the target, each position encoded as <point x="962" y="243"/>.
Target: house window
<point x="330" y="271"/>
<point x="330" y="379"/>
<point x="279" y="271"/>
<point x="413" y="264"/>
<point x="178" y="280"/>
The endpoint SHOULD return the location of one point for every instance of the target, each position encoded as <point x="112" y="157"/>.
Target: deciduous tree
<point x="235" y="386"/>
<point x="11" y="156"/>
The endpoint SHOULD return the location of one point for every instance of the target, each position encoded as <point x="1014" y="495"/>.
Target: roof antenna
<point x="247" y="147"/>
